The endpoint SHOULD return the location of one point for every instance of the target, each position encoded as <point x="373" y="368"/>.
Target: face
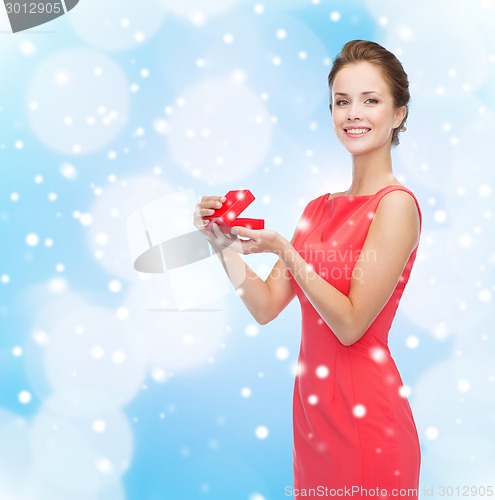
<point x="363" y="110"/>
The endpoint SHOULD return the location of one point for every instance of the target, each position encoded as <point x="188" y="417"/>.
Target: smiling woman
<point x="390" y="69"/>
<point x="359" y="113"/>
<point x="348" y="264"/>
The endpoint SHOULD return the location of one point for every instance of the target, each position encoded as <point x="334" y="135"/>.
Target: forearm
<point x="333" y="306"/>
<point x="253" y="291"/>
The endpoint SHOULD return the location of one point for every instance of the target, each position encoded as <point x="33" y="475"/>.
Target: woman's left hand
<point x="260" y="240"/>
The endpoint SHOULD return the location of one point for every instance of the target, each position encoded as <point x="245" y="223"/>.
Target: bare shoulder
<point x="397" y="214"/>
<point x="398" y="203"/>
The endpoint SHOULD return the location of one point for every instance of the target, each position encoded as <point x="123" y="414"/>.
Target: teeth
<point x="357" y="131"/>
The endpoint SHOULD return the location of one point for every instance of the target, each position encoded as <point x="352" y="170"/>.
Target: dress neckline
<point x="359" y="196"/>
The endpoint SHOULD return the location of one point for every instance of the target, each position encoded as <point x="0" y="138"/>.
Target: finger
<point x="225" y="239"/>
<point x="212" y="201"/>
<point x="208" y="208"/>
<point x="244" y="232"/>
<point x="202" y="229"/>
<point x="200" y="212"/>
<point x="205" y="212"/>
<point x="197" y="214"/>
<point x="220" y="235"/>
<point x="199" y="222"/>
<point x="215" y="198"/>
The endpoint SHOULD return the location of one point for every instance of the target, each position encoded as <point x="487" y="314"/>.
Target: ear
<point x="400" y="114"/>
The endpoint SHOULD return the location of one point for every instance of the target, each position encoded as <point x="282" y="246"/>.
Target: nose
<point x="354" y="112"/>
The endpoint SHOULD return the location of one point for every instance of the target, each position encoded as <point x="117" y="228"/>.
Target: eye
<point x="342" y="102"/>
<point x="371" y="101"/>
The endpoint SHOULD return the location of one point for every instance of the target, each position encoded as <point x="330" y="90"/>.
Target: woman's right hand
<point x="205" y="208"/>
<point x="219" y="238"/>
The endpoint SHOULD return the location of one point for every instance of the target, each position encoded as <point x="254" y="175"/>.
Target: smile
<point x="356" y="132"/>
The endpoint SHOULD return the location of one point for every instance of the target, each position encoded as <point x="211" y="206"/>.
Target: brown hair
<point x="365" y="51"/>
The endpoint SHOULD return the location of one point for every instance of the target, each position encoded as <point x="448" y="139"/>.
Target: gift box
<point x="234" y="205"/>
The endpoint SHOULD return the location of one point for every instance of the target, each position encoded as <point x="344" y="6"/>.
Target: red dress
<point x="353" y="426"/>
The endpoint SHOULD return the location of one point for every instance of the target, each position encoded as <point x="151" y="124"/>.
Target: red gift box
<point x="234" y="205"/>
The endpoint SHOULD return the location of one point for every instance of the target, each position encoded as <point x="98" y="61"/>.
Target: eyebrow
<point x="362" y="93"/>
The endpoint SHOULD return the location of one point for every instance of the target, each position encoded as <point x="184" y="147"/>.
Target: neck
<point x="371" y="171"/>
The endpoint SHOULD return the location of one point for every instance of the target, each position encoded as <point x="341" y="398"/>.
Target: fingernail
<point x="223" y="198"/>
<point x="218" y="204"/>
<point x="234" y="231"/>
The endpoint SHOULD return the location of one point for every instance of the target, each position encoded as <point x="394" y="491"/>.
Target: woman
<point x="348" y="263"/>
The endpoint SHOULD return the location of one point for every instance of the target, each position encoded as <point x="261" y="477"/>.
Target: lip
<point x="356" y="135"/>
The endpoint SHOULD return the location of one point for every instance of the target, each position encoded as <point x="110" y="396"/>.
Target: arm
<point x="392" y="236"/>
<point x="264" y="299"/>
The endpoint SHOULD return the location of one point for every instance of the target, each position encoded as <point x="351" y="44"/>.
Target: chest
<point x="333" y="241"/>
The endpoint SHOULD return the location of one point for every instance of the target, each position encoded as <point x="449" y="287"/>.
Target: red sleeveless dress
<point x="353" y="426"/>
